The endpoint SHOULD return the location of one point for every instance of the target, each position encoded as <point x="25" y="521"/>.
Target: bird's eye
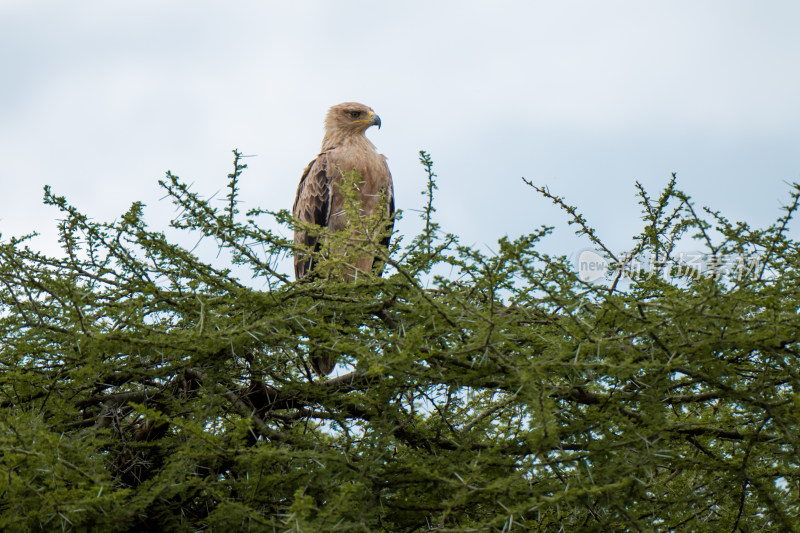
<point x="355" y="114"/>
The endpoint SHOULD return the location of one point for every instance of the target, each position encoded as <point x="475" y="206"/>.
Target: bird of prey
<point x="345" y="150"/>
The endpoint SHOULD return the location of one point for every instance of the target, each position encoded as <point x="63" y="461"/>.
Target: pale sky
<point x="99" y="98"/>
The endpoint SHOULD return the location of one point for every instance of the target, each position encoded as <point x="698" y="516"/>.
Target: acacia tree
<point x="144" y="389"/>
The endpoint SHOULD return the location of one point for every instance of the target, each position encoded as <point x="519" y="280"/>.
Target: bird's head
<point x="351" y="117"/>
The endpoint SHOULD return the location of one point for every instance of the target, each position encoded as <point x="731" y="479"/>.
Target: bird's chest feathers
<point x="366" y="162"/>
<point x="373" y="182"/>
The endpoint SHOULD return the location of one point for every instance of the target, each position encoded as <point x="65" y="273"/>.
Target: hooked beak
<point x="375" y="121"/>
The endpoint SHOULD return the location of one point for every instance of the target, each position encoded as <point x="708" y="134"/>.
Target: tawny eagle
<point x="345" y="149"/>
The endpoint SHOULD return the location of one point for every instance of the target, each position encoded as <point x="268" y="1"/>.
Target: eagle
<point x="345" y="151"/>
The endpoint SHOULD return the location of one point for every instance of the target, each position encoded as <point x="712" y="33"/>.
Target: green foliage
<point x="144" y="389"/>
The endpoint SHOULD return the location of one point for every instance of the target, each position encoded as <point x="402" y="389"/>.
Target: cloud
<point x="101" y="98"/>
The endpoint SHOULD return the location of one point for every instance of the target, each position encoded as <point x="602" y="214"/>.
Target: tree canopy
<point x="144" y="389"/>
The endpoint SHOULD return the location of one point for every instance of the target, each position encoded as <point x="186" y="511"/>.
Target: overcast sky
<point x="98" y="99"/>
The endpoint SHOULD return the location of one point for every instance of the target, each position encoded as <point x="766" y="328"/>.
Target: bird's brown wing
<point x="390" y="223"/>
<point x="312" y="204"/>
<point x="378" y="266"/>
